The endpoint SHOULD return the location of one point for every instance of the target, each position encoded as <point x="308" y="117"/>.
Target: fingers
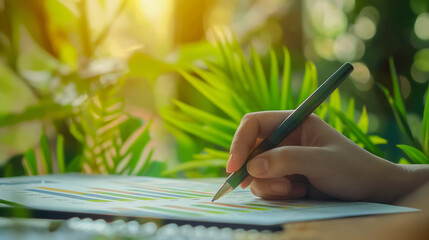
<point x="246" y="182"/>
<point x="252" y="126"/>
<point x="312" y="162"/>
<point x="312" y="132"/>
<point x="278" y="188"/>
<point x="288" y="187"/>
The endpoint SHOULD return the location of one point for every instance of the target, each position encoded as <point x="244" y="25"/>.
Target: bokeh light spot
<point x="419" y="76"/>
<point x="405" y="86"/>
<point x="361" y="77"/>
<point x="365" y="28"/>
<point x="421" y="60"/>
<point x="348" y="5"/>
<point x="327" y="18"/>
<point x="421" y="27"/>
<point x="324" y="48"/>
<point x="371" y="13"/>
<point x="348" y="47"/>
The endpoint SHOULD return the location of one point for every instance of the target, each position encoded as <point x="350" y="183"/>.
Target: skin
<point x="316" y="161"/>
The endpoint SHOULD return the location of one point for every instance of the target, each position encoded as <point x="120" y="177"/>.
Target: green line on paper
<point x="125" y="196"/>
<point x="98" y="200"/>
<point x="220" y="208"/>
<point x="189" y="194"/>
<point x="171" y="211"/>
<point x="195" y="209"/>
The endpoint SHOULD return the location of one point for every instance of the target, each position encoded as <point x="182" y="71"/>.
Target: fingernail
<point x="278" y="188"/>
<point x="228" y="164"/>
<point x="259" y="166"/>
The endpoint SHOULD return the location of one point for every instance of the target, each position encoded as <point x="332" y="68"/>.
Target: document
<point x="176" y="199"/>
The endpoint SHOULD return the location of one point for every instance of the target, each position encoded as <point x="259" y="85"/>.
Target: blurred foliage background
<point x="96" y="86"/>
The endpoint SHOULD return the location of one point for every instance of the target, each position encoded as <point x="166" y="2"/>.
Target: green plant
<point x="86" y="128"/>
<point x="236" y="86"/>
<point x="417" y="148"/>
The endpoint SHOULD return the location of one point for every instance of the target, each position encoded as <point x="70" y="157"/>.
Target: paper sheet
<point x="171" y="199"/>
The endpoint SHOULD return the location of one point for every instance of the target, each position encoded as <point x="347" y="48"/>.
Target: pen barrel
<point x="293" y="120"/>
<point x="235" y="179"/>
<point x="311" y="103"/>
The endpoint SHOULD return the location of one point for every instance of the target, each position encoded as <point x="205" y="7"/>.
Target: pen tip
<point x="224" y="189"/>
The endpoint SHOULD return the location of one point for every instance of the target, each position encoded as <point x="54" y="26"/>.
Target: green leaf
<point x="205" y="132"/>
<point x="136" y="146"/>
<point x="129" y="127"/>
<point x="217" y="153"/>
<point x="351" y="109"/>
<point x="309" y="83"/>
<point x="31" y="162"/>
<point x="377" y="139"/>
<point x="403" y="161"/>
<point x="206" y="117"/>
<point x="75" y="165"/>
<point x="192" y="51"/>
<point x="361" y="136"/>
<point x="210" y="153"/>
<point x="274" y="81"/>
<point x="76" y="131"/>
<point x="425" y="125"/>
<point x="45" y="153"/>
<point x="223" y="102"/>
<point x="414" y="154"/>
<point x="60" y="153"/>
<point x="400" y="119"/>
<point x="363" y="121"/>
<point x="335" y="103"/>
<point x="227" y="57"/>
<point x="260" y="78"/>
<point x="148" y="67"/>
<point x="398" y="101"/>
<point x="42" y="111"/>
<point x="286" y="94"/>
<point x="155" y="169"/>
<point x="194" y="164"/>
<point x="258" y="99"/>
<point x="215" y="79"/>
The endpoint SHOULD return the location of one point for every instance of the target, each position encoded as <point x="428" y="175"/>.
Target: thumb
<point x="312" y="162"/>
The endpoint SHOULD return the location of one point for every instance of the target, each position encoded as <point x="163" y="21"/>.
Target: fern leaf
<point x="274" y="81"/>
<point x="286" y="95"/>
<point x="30" y="162"/>
<point x="60" y="154"/>
<point x="45" y="153"/>
<point x="261" y="80"/>
<point x="309" y="83"/>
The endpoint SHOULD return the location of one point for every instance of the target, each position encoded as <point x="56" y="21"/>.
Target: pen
<point x="287" y="126"/>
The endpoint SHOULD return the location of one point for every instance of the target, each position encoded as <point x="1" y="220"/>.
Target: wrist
<point x="414" y="176"/>
<point x="394" y="182"/>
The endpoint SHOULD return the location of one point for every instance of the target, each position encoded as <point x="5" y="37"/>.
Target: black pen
<point x="287" y="126"/>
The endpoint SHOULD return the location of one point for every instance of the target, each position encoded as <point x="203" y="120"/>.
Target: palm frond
<point x="237" y="85"/>
<point x="112" y="140"/>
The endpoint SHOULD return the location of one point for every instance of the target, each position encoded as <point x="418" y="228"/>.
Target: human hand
<point x="314" y="161"/>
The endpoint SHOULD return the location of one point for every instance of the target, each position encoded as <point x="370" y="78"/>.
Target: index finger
<point x="252" y="126"/>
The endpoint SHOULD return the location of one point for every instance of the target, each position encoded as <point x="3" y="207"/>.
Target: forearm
<point x="407" y="179"/>
<point x="397" y="181"/>
<point x="415" y="175"/>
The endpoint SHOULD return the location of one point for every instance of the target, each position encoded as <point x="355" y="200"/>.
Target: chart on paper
<point x="170" y="199"/>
